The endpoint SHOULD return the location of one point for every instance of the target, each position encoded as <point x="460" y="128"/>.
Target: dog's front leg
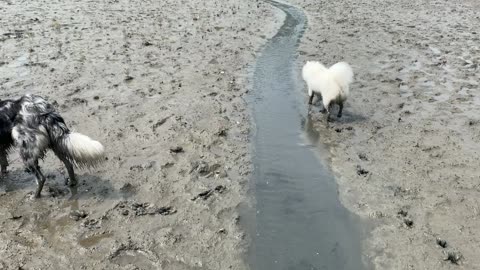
<point x="329" y="110"/>
<point x="310" y="100"/>
<point x="3" y="161"/>
<point x="339" y="115"/>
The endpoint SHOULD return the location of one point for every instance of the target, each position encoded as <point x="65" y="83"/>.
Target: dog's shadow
<point x="314" y="111"/>
<point x="349" y="117"/>
<point x="89" y="186"/>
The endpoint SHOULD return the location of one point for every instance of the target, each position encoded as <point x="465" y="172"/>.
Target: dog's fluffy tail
<point x="81" y="150"/>
<point x="343" y="75"/>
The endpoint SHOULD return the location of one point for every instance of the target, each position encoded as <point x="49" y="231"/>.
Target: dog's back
<point x="37" y="121"/>
<point x="33" y="105"/>
<point x="26" y="110"/>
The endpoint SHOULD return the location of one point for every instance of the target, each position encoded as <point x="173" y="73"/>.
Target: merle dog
<point x="31" y="124"/>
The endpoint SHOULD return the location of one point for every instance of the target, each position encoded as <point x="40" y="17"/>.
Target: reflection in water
<point x="311" y="134"/>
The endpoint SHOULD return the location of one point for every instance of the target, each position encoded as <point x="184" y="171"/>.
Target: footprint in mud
<point x="206" y="194"/>
<point x="93" y="240"/>
<point x="73" y="102"/>
<point x="133" y="257"/>
<point x="144" y="209"/>
<point x="128" y="190"/>
<point x="130" y="254"/>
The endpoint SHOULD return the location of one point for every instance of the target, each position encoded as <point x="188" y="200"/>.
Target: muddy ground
<point x="406" y="154"/>
<point x="161" y="85"/>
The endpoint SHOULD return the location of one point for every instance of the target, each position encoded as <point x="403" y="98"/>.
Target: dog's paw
<point x="69" y="182"/>
<point x="31" y="196"/>
<point x="72" y="183"/>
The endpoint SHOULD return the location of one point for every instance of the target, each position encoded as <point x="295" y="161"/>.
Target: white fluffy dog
<point x="332" y="84"/>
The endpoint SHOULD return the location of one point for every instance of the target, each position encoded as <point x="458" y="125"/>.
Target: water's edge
<point x="299" y="222"/>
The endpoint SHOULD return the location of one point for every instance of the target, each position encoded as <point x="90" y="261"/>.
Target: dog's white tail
<point x="82" y="150"/>
<point x="343" y="74"/>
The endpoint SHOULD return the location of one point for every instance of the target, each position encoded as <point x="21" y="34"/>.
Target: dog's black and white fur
<point x="31" y="124"/>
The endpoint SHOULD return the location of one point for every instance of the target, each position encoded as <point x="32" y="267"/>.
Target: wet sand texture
<point x="161" y="84"/>
<point x="406" y="152"/>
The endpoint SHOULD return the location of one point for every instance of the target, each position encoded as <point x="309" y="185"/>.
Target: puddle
<point x="299" y="221"/>
<point x="52" y="229"/>
<point x="18" y="68"/>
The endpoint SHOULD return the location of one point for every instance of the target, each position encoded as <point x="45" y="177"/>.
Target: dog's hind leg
<point x="72" y="180"/>
<point x="339" y="115"/>
<point x="3" y="160"/>
<point x="40" y="180"/>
